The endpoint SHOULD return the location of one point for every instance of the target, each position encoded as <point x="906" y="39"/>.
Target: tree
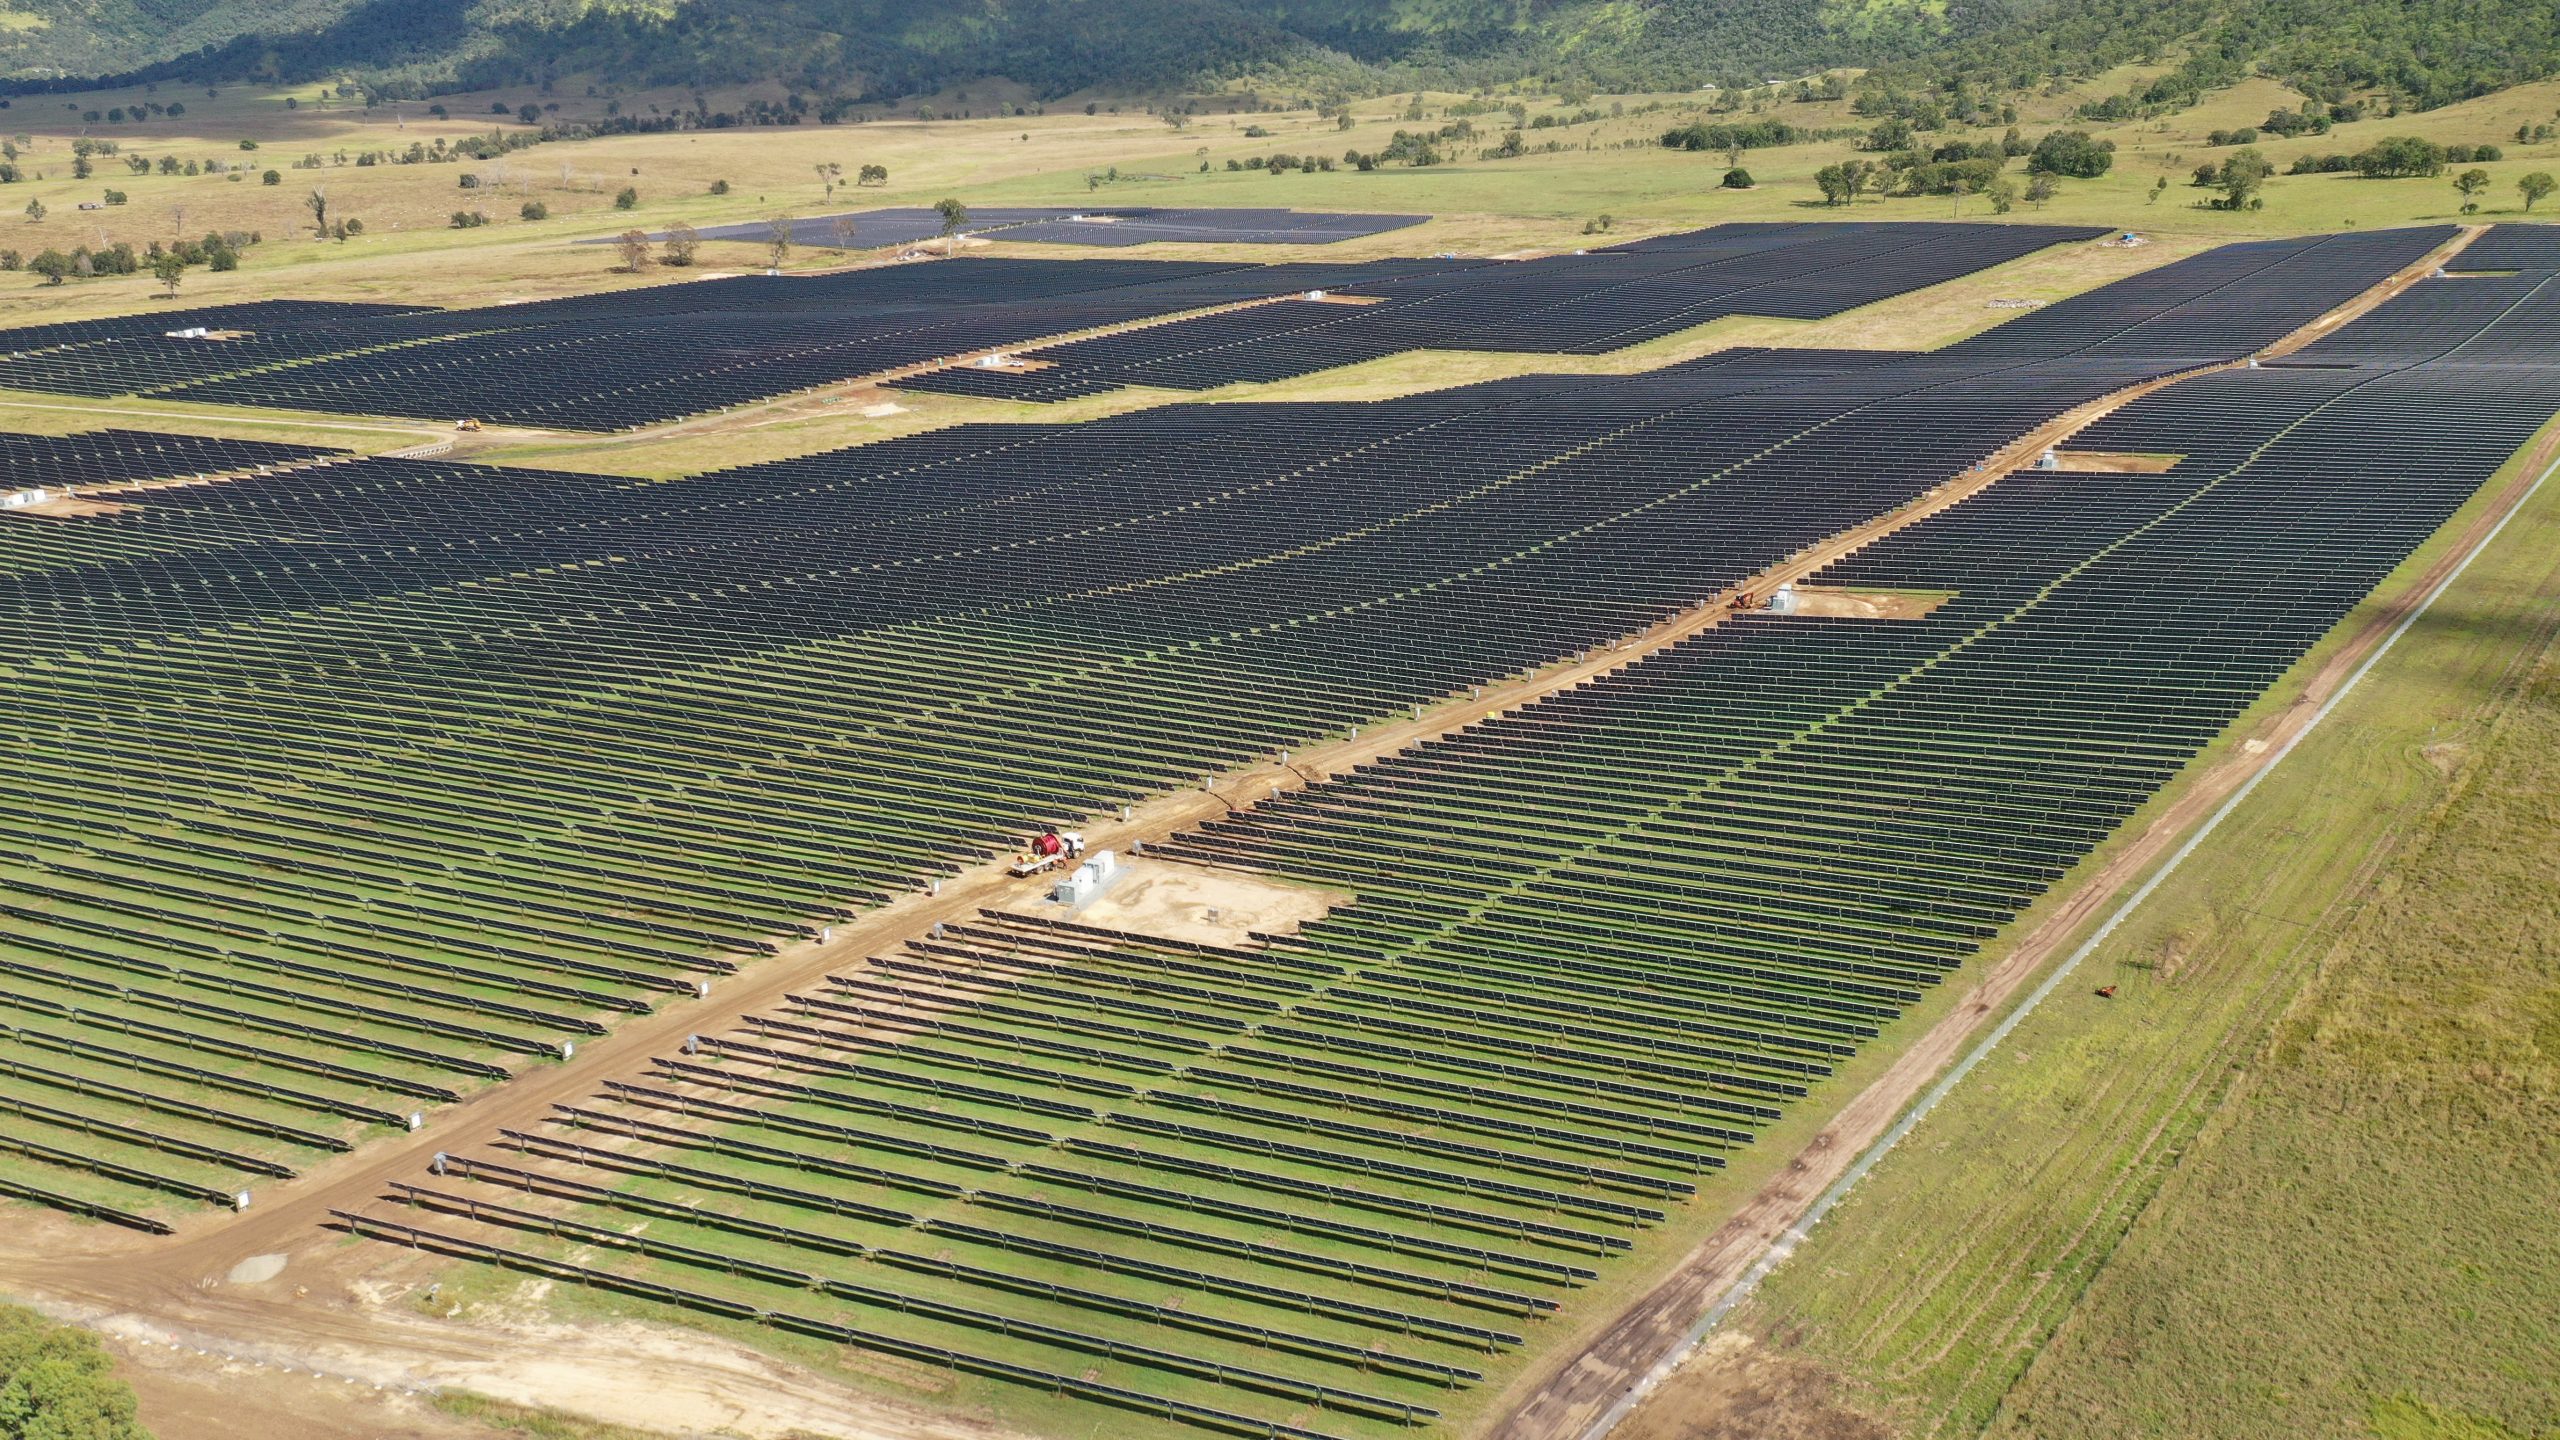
<point x="1833" y="182"/>
<point x="954" y="215"/>
<point x="168" y="269"/>
<point x="535" y="210"/>
<point x="81" y="168"/>
<point x="2243" y="176"/>
<point x="272" y="177"/>
<point x="53" y="265"/>
<point x="317" y="202"/>
<point x="844" y="229"/>
<point x="2537" y="186"/>
<point x="2471" y="183"/>
<point x="634" y="245"/>
<point x="57" y="1383"/>
<point x="2004" y="195"/>
<point x="678" y="247"/>
<point x="2394" y="156"/>
<point x="627" y="198"/>
<point x="777" y="241"/>
<point x="829" y="173"/>
<point x="2071" y="152"/>
<point x="719" y="187"/>
<point x="873" y="175"/>
<point x="35" y="211"/>
<point x="1737" y="178"/>
<point x="2042" y="188"/>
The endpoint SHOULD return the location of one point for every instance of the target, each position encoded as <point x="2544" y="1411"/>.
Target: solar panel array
<point x="415" y="770"/>
<point x="1059" y="225"/>
<point x="253" y="315"/>
<point x="627" y="358"/>
<point x="1585" y="303"/>
<point x="111" y="456"/>
<point x="1212" y="226"/>
<point x="636" y="357"/>
<point x="1323" y="1183"/>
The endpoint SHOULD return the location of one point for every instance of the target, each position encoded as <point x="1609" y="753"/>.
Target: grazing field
<point x="2405" y="1102"/>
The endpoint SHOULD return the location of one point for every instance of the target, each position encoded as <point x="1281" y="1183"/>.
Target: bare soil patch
<point x="1827" y="600"/>
<point x="66" y="507"/>
<point x="187" y="1396"/>
<point x="1205" y="903"/>
<point x="2102" y="462"/>
<point x="1738" y="1388"/>
<point x="316" y="1352"/>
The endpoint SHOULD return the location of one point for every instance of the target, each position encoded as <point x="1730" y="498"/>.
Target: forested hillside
<point x="886" y="48"/>
<point x="2420" y="53"/>
<point x="2413" y="53"/>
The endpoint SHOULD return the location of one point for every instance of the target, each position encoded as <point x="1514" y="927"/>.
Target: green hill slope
<point x="896" y="48"/>
<point x="2415" y="52"/>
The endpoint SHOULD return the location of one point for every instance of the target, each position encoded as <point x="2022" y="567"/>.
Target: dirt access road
<point x="182" y="1282"/>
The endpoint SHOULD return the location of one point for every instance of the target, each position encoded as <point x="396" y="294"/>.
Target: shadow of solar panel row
<point x="111" y="456"/>
<point x="345" y="788"/>
<point x="1053" y="225"/>
<point x="633" y="357"/>
<point x="1573" y="304"/>
<point x="1599" y="945"/>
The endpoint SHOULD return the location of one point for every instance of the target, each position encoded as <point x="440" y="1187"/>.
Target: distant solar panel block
<point x="111" y="457"/>
<point x="1585" y="303"/>
<point x="876" y="229"/>
<point x="1058" y="225"/>
<point x="1211" y="227"/>
<point x="2530" y="249"/>
<point x="1042" y="386"/>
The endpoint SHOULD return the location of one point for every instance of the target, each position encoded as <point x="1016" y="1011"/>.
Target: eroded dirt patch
<point x="2107" y="462"/>
<point x="1831" y="601"/>
<point x="1739" y="1388"/>
<point x="63" y="507"/>
<point x="1204" y="903"/>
